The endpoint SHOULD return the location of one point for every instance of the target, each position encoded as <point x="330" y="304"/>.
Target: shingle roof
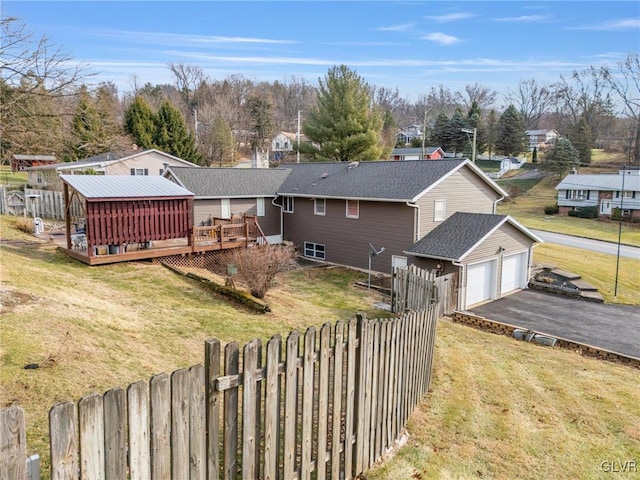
<point x="413" y="151"/>
<point x="600" y="182"/>
<point x="379" y="180"/>
<point x="230" y="182"/>
<point x="459" y="234"/>
<point x="106" y="158"/>
<point x="124" y="186"/>
<point x="42" y="158"/>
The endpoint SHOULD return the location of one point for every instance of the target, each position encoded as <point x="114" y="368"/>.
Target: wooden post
<point x="115" y="434"/>
<point x="13" y="444"/>
<point x="290" y="405"/>
<point x="212" y="372"/>
<point x="272" y="409"/>
<point x="139" y="436"/>
<point x="231" y="367"/>
<point x="64" y="443"/>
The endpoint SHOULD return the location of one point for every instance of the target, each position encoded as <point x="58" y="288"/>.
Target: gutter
<point x="281" y="216"/>
<point x="416" y="222"/>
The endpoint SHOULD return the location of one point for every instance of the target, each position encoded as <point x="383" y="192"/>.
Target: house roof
<point x="39" y="158"/>
<point x="229" y="182"/>
<point x="104" y="160"/>
<point x="609" y="182"/>
<point x="460" y="234"/>
<point x="102" y="187"/>
<point x="377" y="180"/>
<point x="539" y="132"/>
<point x="414" y="151"/>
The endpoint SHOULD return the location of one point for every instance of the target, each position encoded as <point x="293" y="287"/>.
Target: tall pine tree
<point x="139" y="122"/>
<point x="344" y="125"/>
<point x="171" y="135"/>
<point x="580" y="136"/>
<point x="88" y="134"/>
<point x="511" y="138"/>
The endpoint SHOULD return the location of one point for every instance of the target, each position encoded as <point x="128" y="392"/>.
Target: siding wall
<point x="204" y="209"/>
<point x="347" y="240"/>
<point x="151" y="161"/>
<point x="463" y="191"/>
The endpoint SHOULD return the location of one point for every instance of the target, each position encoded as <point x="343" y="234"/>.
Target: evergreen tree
<point x="88" y="135"/>
<point x="261" y="113"/>
<point x="343" y="126"/>
<point x="561" y="157"/>
<point x="139" y="122"/>
<point x="219" y="143"/>
<point x="511" y="138"/>
<point x="534" y="155"/>
<point x="438" y="136"/>
<point x="474" y="120"/>
<point x="580" y="137"/>
<point x="456" y="139"/>
<point x="171" y="135"/>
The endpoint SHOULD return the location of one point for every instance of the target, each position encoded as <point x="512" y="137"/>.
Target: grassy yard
<point x="7" y="177"/>
<point x="528" y="208"/>
<point x="498" y="408"/>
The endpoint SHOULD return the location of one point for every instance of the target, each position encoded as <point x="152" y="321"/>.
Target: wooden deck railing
<point x="224" y="230"/>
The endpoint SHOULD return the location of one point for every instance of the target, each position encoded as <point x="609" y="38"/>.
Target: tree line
<point x="49" y="107"/>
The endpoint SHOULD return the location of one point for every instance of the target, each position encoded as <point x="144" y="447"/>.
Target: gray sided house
<point x="606" y="192"/>
<point x="335" y="212"/>
<point x="491" y="253"/>
<point x="232" y="192"/>
<point x="138" y="163"/>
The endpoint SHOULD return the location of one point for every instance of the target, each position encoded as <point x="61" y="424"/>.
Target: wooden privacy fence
<point x="38" y="203"/>
<point x="325" y="405"/>
<point x="413" y="288"/>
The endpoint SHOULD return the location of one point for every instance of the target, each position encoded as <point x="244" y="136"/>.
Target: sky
<point x="411" y="46"/>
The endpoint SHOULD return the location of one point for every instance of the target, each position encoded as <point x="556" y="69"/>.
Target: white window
<point x="353" y="208"/>
<point x="287" y="204"/>
<point x="225" y="208"/>
<point x="314" y="250"/>
<point x="578" y="194"/>
<point x="40" y="178"/>
<point x="260" y="207"/>
<point x="139" y="171"/>
<point x="319" y="206"/>
<point x="439" y="210"/>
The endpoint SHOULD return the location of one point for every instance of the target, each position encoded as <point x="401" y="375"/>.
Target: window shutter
<point x="146" y="171"/>
<point x="588" y="192"/>
<point x="633" y="194"/>
<point x="617" y="194"/>
<point x="133" y="171"/>
<point x="566" y="194"/>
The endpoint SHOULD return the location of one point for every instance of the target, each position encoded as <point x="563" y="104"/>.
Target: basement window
<point x="314" y="250"/>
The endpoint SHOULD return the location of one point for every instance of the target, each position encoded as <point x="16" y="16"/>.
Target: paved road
<point x="589" y="244"/>
<point x="612" y="327"/>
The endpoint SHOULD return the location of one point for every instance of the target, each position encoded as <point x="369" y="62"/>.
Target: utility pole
<point x="298" y="140"/>
<point x="615" y="288"/>
<point x="473" y="146"/>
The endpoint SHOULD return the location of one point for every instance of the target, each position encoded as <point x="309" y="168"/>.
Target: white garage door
<point x="481" y="281"/>
<point x="514" y="272"/>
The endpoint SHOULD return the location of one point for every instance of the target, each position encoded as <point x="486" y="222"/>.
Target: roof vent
<point x="353" y="165"/>
<point x="325" y="175"/>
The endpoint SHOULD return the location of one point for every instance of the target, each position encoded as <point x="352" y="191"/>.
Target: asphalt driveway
<point x="612" y="327"/>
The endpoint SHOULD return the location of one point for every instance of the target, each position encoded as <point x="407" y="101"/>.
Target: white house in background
<point x="284" y="144"/>
<point x="604" y="191"/>
<point x="146" y="162"/>
<point x="539" y="138"/>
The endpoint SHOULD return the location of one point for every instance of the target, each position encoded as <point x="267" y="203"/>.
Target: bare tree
<point x="625" y="83"/>
<point x="35" y="77"/>
<point x="533" y="100"/>
<point x="481" y="95"/>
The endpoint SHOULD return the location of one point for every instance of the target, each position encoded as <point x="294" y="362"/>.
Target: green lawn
<point x="7" y="177"/>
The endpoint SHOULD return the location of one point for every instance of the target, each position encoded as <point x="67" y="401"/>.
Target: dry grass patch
<point x="504" y="409"/>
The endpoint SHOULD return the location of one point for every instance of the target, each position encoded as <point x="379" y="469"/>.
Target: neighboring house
<point x="284" y="144"/>
<point x="337" y="212"/>
<point x="606" y="192"/>
<point x="405" y="136"/>
<point x="429" y="153"/>
<point x="540" y="138"/>
<point x="148" y="162"/>
<point x="20" y="163"/>
<point x="233" y="192"/>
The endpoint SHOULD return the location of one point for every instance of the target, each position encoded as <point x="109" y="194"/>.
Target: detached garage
<point x="491" y="253"/>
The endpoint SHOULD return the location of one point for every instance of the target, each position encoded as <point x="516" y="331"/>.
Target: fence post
<point x="13" y="444"/>
<point x="212" y="372"/>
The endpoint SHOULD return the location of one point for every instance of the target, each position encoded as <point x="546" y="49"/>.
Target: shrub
<point x="584" y="212"/>
<point x="551" y="209"/>
<point x="616" y="214"/>
<point x="258" y="266"/>
<point x="25" y="225"/>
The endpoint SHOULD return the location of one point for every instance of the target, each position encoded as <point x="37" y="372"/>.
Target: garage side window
<point x="225" y="208"/>
<point x="439" y="210"/>
<point x="260" y="207"/>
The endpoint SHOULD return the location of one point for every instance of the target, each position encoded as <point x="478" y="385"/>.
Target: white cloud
<point x="523" y="19"/>
<point x="397" y="28"/>
<point x="162" y="38"/>
<point x="613" y="25"/>
<point x="450" y="17"/>
<point x="441" y="38"/>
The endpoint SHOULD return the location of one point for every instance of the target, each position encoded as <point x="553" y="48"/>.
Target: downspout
<point x="416" y="222"/>
<point x="495" y="204"/>
<point x="462" y="290"/>
<point x="281" y="217"/>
